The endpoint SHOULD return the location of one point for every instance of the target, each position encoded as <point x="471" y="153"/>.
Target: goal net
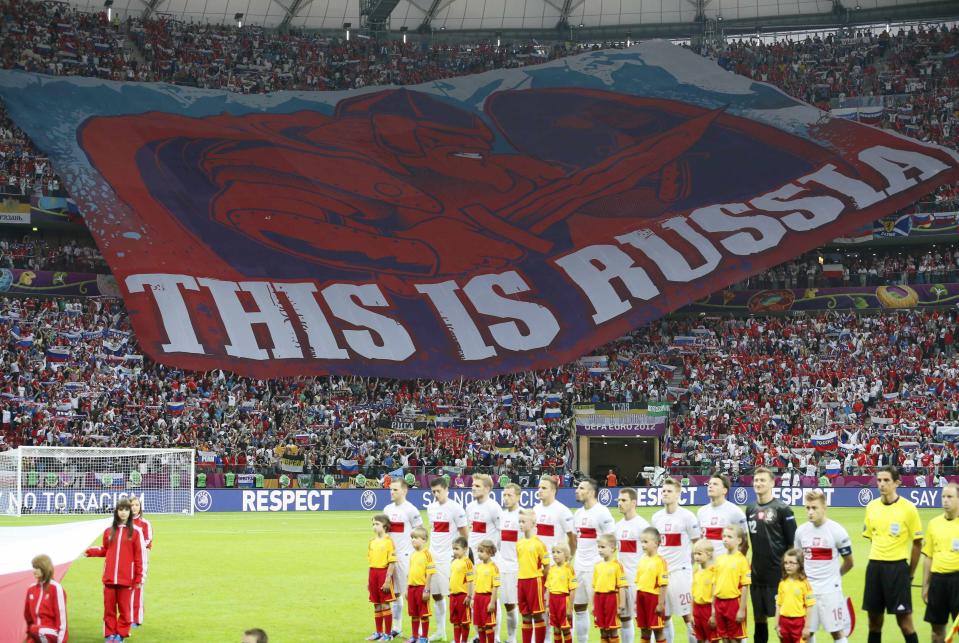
<point x="81" y="480"/>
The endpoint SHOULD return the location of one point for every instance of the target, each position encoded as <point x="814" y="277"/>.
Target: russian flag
<point x="598" y="371"/>
<point x="25" y="342"/>
<point x="58" y="354"/>
<point x="175" y="408"/>
<point x="63" y="542"/>
<point x="117" y="349"/>
<point x="348" y="467"/>
<point x="552" y="413"/>
<point x="506" y="400"/>
<point x="553" y="398"/>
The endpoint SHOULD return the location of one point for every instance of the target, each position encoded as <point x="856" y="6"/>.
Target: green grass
<point x="300" y="576"/>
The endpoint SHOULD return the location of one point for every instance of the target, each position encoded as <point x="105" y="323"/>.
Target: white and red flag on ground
<point x="62" y="542"/>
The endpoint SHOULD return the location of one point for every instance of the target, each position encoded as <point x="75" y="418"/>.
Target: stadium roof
<point x="595" y="16"/>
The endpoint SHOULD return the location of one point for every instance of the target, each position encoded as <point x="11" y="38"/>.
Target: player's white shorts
<point x="508" y="592"/>
<point x="679" y="593"/>
<point x="584" y="592"/>
<point x="440" y="582"/>
<point x="400" y="574"/>
<point x="829" y="613"/>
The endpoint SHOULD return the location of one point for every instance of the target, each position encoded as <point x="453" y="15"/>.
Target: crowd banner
<point x="780" y="300"/>
<point x="505" y="221"/>
<point x="58" y="284"/>
<point x="621" y="420"/>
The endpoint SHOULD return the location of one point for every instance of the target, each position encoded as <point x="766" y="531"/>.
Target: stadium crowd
<point x="73" y="373"/>
<point x="34" y="252"/>
<point x="879" y="266"/>
<point x="749" y="392"/>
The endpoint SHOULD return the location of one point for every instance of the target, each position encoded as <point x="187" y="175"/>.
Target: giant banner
<point x="472" y="226"/>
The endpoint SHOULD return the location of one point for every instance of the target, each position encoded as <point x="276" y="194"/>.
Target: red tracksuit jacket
<point x="124" y="557"/>
<point x="147" y="530"/>
<point x="46" y="613"/>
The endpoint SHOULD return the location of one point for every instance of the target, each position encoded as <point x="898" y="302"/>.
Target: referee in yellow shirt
<point x="940" y="569"/>
<point x="892" y="525"/>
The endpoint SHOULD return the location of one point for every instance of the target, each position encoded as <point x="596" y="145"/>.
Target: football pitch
<point x="302" y="577"/>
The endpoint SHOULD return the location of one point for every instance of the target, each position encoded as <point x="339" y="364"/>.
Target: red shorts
<point x="417" y="605"/>
<point x="726" y="625"/>
<point x="792" y="628"/>
<point x="558" y="611"/>
<point x="460" y="614"/>
<point x="481" y="614"/>
<point x="646" y="616"/>
<point x="375" y="583"/>
<point x="701" y="614"/>
<point x="606" y="610"/>
<point x="530" y="594"/>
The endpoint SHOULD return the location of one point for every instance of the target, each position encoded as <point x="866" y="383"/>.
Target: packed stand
<point x="34" y="252"/>
<point x="73" y="375"/>
<point x="253" y="60"/>
<point x="53" y="38"/>
<point x="762" y="391"/>
<point x="23" y="170"/>
<point x="878" y="266"/>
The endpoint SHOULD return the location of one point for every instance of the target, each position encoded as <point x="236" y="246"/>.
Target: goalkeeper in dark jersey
<point x="772" y="531"/>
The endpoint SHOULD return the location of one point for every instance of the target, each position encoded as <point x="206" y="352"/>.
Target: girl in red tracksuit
<point x="136" y="507"/>
<point x="46" y="606"/>
<point x="123" y="549"/>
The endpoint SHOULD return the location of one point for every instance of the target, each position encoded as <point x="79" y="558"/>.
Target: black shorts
<point x="943" y="605"/>
<point x="888" y="587"/>
<point x="764" y="601"/>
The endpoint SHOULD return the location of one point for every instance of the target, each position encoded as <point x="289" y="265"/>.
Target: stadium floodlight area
<point x="82" y="480"/>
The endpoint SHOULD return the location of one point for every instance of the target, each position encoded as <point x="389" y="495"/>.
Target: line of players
<point x="770" y="523"/>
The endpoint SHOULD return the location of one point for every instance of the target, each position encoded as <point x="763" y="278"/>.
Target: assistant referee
<point x="892" y="524"/>
<point x="940" y="569"/>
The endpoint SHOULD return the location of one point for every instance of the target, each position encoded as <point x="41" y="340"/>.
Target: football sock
<point x="440" y="615"/>
<point x="396" y="608"/>
<point x="626" y="632"/>
<point x="512" y="616"/>
<point x="668" y="630"/>
<point x="527" y="631"/>
<point x="761" y="632"/>
<point x="911" y="638"/>
<point x="539" y="631"/>
<point x="581" y="625"/>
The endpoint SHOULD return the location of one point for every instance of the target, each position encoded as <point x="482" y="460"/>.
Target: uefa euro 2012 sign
<point x="487" y="224"/>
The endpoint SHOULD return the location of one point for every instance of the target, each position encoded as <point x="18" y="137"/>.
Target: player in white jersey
<point x="506" y="558"/>
<point x="553" y="518"/>
<point x="592" y="520"/>
<point x="823" y="543"/>
<point x="404" y="518"/>
<point x="719" y="514"/>
<point x="447" y="520"/>
<point x="483" y="514"/>
<point x="678" y="530"/>
<point x="628" y="532"/>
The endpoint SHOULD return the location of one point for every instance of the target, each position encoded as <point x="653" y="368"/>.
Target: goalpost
<point x="91" y="480"/>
